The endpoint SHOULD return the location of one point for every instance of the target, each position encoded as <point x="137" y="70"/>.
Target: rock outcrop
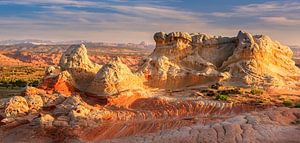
<point x="79" y="73"/>
<point x="76" y="61"/>
<point x="174" y="63"/>
<point x="182" y="59"/>
<point x="63" y="83"/>
<point x="254" y="127"/>
<point x="113" y="78"/>
<point x="16" y="106"/>
<point x="257" y="60"/>
<point x="81" y="101"/>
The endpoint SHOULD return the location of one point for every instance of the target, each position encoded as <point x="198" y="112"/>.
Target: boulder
<point x="62" y="83"/>
<point x="113" y="78"/>
<point x="50" y="70"/>
<point x="16" y="106"/>
<point x="45" y="121"/>
<point x="35" y="102"/>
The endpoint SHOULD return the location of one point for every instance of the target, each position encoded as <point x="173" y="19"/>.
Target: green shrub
<point x="297" y="105"/>
<point x="34" y="83"/>
<point x="262" y="101"/>
<point x="222" y="97"/>
<point x="21" y="83"/>
<point x="209" y="92"/>
<point x="230" y="91"/>
<point x="287" y="103"/>
<point x="256" y="91"/>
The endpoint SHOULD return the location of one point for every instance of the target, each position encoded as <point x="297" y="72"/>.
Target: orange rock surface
<point x="169" y="98"/>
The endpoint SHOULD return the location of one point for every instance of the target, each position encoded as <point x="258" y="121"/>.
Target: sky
<point x="137" y="20"/>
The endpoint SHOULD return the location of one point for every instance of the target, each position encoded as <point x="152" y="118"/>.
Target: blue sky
<point x="137" y="20"/>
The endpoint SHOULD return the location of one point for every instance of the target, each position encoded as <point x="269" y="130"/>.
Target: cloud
<point x="52" y="2"/>
<point x="137" y="20"/>
<point x="121" y="20"/>
<point x="262" y="9"/>
<point x="281" y="21"/>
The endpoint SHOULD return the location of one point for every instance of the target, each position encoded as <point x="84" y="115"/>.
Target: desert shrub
<point x="209" y="92"/>
<point x="21" y="83"/>
<point x="216" y="86"/>
<point x="296" y="122"/>
<point x="297" y="105"/>
<point x="256" y="91"/>
<point x="230" y="91"/>
<point x="287" y="103"/>
<point x="34" y="83"/>
<point x="262" y="101"/>
<point x="221" y="97"/>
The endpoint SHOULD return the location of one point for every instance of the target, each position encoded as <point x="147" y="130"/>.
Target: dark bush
<point x="21" y="83"/>
<point x="297" y="105"/>
<point x="221" y="97"/>
<point x="209" y="92"/>
<point x="230" y="91"/>
<point x="34" y="83"/>
<point x="256" y="91"/>
<point x="287" y="103"/>
<point x="216" y="86"/>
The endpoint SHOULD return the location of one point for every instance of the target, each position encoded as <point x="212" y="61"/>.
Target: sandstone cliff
<point x="182" y="59"/>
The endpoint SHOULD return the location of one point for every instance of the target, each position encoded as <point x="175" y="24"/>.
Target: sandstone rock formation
<point x="63" y="83"/>
<point x="255" y="127"/>
<point x="113" y="78"/>
<point x="79" y="73"/>
<point x="76" y="61"/>
<point x="16" y="106"/>
<point x="182" y="59"/>
<point x="83" y="102"/>
<point x="257" y="60"/>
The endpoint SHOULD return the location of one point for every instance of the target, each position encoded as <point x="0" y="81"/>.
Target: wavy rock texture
<point x="255" y="127"/>
<point x="162" y="101"/>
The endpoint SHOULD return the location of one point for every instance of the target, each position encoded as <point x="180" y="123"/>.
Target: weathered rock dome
<point x="76" y="61"/>
<point x="182" y="59"/>
<point x="114" y="77"/>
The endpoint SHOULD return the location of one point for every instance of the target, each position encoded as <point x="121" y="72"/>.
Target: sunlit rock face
<point x="62" y="82"/>
<point x="83" y="102"/>
<point x="113" y="78"/>
<point x="258" y="60"/>
<point x="76" y="61"/>
<point x="182" y="59"/>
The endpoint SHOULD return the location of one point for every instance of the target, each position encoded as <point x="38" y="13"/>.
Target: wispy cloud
<point x="262" y="9"/>
<point x="137" y="20"/>
<point x="281" y="21"/>
<point x="52" y="2"/>
<point x="121" y="18"/>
